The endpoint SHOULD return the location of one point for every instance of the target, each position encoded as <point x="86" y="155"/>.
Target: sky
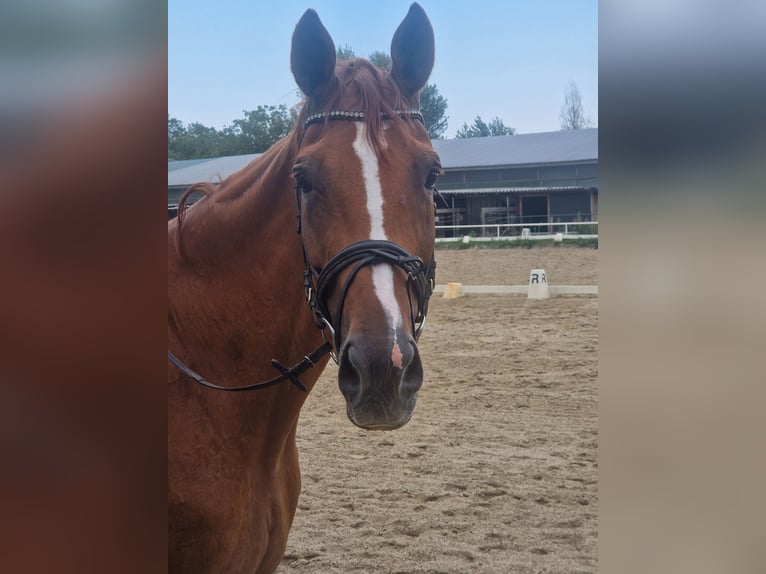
<point x="509" y="59"/>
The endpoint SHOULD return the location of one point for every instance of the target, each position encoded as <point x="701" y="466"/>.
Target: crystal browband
<point x="357" y="116"/>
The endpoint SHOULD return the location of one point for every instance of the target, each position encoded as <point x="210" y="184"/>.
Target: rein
<point x="316" y="283"/>
<point x="290" y="374"/>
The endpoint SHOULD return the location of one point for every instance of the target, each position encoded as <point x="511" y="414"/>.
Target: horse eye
<point x="301" y="182"/>
<point x="433" y="175"/>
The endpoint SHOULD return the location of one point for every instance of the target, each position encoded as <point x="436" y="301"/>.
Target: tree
<point x="498" y="128"/>
<point x="572" y="114"/>
<point x="260" y="129"/>
<point x="175" y="128"/>
<point x="176" y="131"/>
<point x="194" y="141"/>
<point x="381" y="60"/>
<point x="344" y="52"/>
<point x="256" y="132"/>
<point x="433" y="106"/>
<point x="479" y="129"/>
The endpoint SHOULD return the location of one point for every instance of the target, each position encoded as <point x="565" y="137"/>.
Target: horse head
<point x="364" y="178"/>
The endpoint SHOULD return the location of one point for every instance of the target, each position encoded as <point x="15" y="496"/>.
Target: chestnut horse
<point x="359" y="172"/>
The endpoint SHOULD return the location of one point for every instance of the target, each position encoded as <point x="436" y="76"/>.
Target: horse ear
<point x="412" y="51"/>
<point x="312" y="57"/>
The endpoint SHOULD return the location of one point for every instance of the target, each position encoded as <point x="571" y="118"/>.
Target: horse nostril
<point x="412" y="377"/>
<point x="348" y="373"/>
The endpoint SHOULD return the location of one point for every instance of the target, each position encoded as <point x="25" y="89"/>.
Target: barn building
<point x="535" y="179"/>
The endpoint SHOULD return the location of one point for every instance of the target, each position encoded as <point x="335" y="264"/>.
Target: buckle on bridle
<point x="324" y="323"/>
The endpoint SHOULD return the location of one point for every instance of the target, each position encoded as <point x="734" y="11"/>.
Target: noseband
<point x="318" y="283"/>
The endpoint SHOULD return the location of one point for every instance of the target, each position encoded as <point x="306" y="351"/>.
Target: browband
<point x="358" y="116"/>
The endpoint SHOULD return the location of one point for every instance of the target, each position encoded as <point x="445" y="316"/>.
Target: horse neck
<point x="236" y="298"/>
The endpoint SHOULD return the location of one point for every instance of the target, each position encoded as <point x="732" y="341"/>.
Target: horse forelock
<point x="359" y="86"/>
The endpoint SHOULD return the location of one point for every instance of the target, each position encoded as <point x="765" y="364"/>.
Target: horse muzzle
<point x="380" y="380"/>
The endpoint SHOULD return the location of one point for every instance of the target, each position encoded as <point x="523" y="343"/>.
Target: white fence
<point x="494" y="231"/>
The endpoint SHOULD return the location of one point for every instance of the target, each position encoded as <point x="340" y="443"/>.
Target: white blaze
<point x="383" y="273"/>
<point x="371" y="177"/>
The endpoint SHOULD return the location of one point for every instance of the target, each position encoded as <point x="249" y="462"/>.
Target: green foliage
<point x="344" y="52"/>
<point x="433" y="106"/>
<point x="260" y="129"/>
<point x="193" y="141"/>
<point x="256" y="132"/>
<point x="175" y="128"/>
<point x="381" y="60"/>
<point x="479" y="128"/>
<point x="498" y="128"/>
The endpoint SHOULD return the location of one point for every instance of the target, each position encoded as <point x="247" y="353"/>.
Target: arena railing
<point x="530" y="230"/>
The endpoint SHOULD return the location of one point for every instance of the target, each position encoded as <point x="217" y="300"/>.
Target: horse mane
<point x="358" y="86"/>
<point x="231" y="189"/>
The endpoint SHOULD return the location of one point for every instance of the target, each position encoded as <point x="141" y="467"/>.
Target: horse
<point x="247" y="294"/>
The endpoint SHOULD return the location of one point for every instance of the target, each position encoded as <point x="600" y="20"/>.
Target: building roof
<point x="207" y="169"/>
<point x="182" y="163"/>
<point x="466" y="153"/>
<point x="522" y="149"/>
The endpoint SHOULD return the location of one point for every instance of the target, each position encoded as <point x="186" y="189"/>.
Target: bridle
<point x="317" y="283"/>
<point x="420" y="280"/>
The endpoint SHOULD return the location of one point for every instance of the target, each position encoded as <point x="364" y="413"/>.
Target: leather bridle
<point x="318" y="283"/>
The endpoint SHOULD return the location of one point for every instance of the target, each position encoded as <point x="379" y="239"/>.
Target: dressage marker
<point x="321" y="247"/>
<point x="538" y="285"/>
<point x="453" y="291"/>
